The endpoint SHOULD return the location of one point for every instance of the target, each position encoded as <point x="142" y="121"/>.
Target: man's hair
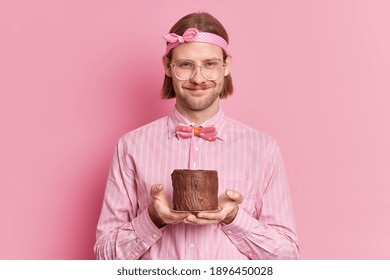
<point x="204" y="22"/>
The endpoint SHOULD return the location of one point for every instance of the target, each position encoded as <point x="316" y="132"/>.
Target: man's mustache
<point x="197" y="87"/>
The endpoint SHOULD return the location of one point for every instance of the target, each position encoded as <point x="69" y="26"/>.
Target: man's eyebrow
<point x="213" y="58"/>
<point x="207" y="59"/>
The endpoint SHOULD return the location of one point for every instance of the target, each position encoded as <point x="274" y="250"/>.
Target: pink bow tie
<point x="208" y="133"/>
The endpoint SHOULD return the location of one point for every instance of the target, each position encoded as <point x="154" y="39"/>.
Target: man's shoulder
<point x="160" y="123"/>
<point x="237" y="127"/>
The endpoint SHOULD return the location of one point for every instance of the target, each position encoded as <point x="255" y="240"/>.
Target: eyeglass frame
<point x="194" y="72"/>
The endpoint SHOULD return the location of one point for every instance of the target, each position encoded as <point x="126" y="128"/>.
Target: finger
<point x="168" y="214"/>
<point x="156" y="189"/>
<point x="190" y="217"/>
<point x="179" y="216"/>
<point x="234" y="195"/>
<point x="211" y="216"/>
<point x="199" y="221"/>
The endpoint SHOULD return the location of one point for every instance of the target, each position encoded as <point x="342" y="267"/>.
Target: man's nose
<point x="198" y="77"/>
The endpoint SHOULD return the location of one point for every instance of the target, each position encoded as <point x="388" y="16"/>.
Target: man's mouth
<point x="197" y="88"/>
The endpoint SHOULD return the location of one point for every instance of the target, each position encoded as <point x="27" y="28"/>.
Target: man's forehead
<point x="197" y="51"/>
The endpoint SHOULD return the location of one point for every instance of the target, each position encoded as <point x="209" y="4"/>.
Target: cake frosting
<point x="195" y="190"/>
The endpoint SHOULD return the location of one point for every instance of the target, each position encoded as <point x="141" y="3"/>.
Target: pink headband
<point x="193" y="35"/>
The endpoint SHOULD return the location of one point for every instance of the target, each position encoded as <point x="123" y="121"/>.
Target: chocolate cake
<point x="195" y="190"/>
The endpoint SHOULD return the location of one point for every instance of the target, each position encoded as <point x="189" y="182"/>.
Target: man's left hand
<point x="228" y="203"/>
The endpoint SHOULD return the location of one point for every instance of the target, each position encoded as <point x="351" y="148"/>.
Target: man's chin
<point x="199" y="106"/>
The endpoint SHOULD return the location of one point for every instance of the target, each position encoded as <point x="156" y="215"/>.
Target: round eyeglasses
<point x="185" y="70"/>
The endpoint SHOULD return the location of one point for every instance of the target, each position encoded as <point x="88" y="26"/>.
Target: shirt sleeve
<point x="270" y="232"/>
<point x="121" y="233"/>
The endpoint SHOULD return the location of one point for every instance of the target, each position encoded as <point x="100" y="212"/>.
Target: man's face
<point x="198" y="93"/>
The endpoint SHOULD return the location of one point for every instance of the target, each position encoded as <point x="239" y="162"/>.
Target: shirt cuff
<point x="241" y="226"/>
<point x="145" y="229"/>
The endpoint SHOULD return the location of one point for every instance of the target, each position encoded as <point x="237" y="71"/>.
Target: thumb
<point x="234" y="195"/>
<point x="156" y="189"/>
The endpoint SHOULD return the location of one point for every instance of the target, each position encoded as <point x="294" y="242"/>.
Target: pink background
<point x="76" y="75"/>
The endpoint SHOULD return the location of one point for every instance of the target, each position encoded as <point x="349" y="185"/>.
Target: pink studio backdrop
<point x="76" y="75"/>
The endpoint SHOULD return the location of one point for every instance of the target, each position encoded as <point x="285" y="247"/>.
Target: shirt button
<point x="196" y="149"/>
<point x="229" y="232"/>
<point x="155" y="235"/>
<point x="192" y="246"/>
<point x="136" y="253"/>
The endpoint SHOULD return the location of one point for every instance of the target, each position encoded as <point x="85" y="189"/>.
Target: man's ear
<point x="167" y="68"/>
<point x="228" y="64"/>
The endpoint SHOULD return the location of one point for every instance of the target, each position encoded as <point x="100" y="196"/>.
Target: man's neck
<point x="198" y="117"/>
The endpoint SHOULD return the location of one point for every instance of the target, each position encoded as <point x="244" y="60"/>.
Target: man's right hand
<point x="160" y="210"/>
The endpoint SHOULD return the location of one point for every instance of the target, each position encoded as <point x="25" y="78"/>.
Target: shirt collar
<point x="218" y="120"/>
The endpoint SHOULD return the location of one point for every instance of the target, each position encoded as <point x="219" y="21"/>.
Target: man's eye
<point x="185" y="65"/>
<point x="211" y="64"/>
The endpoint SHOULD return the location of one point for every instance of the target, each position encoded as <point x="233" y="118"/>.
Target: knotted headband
<point x="193" y="35"/>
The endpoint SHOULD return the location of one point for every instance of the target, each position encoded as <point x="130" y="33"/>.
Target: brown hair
<point x="204" y="22"/>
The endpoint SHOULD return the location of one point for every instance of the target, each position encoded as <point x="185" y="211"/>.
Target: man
<point x="255" y="220"/>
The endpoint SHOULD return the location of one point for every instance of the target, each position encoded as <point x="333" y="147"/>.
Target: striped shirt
<point x="247" y="161"/>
